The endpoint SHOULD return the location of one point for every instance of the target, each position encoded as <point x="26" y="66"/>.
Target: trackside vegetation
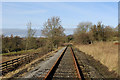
<point x="53" y="33"/>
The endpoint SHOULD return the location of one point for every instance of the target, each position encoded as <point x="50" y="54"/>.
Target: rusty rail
<point x="75" y="64"/>
<point x="51" y="72"/>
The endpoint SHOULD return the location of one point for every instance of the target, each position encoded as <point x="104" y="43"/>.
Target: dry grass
<point x="13" y="55"/>
<point x="29" y="66"/>
<point x="105" y="52"/>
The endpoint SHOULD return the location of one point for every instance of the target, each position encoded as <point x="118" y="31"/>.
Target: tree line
<point x="87" y="33"/>
<point x="54" y="36"/>
<point x="53" y="33"/>
<point x="16" y="43"/>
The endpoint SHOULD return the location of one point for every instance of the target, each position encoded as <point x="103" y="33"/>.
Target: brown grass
<point x="105" y="52"/>
<point x="18" y="54"/>
<point x="29" y="66"/>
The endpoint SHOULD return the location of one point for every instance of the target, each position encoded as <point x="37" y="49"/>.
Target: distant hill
<point x="23" y="32"/>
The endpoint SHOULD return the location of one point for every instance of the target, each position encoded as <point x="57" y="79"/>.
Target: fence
<point x="13" y="64"/>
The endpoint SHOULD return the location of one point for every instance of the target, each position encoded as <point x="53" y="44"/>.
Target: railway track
<point x="65" y="64"/>
<point x="66" y="67"/>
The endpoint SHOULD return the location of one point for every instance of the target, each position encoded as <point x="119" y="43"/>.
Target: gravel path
<point x="44" y="66"/>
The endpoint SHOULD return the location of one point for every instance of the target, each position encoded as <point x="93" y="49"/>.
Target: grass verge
<point x="105" y="52"/>
<point x="20" y="52"/>
<point x="14" y="55"/>
<point x="21" y="71"/>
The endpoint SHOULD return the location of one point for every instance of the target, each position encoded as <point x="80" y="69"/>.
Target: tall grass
<point x="105" y="52"/>
<point x="13" y="55"/>
<point x="20" y="52"/>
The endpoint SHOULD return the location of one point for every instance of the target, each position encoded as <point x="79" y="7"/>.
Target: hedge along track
<point x="65" y="67"/>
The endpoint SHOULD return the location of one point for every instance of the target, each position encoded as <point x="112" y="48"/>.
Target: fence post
<point x="12" y="63"/>
<point x="6" y="65"/>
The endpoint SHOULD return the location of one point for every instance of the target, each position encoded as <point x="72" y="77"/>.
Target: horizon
<point x="17" y="14"/>
<point x="23" y="32"/>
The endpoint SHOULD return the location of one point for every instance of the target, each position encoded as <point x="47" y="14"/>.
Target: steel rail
<point x="75" y="64"/>
<point x="52" y="70"/>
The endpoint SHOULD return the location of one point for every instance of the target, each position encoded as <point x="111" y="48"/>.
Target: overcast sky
<point x="15" y="15"/>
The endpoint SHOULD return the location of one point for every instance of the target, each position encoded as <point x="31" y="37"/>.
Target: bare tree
<point x="53" y="31"/>
<point x="81" y="33"/>
<point x="84" y="26"/>
<point x="30" y="35"/>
